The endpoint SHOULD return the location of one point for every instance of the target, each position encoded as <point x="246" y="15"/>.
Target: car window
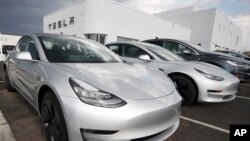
<point x="31" y="48"/>
<point x="176" y="47"/>
<point x="133" y="51"/>
<point x="162" y="53"/>
<point x="116" y="49"/>
<point x="22" y="44"/>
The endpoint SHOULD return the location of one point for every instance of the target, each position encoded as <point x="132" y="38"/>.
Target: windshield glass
<point x="75" y="50"/>
<point x="163" y="54"/>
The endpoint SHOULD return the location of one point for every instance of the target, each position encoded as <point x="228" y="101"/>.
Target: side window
<point x="172" y="46"/>
<point x="177" y="48"/>
<point x="31" y="47"/>
<point x="22" y="44"/>
<point x="116" y="49"/>
<point x="133" y="51"/>
<point x="182" y="47"/>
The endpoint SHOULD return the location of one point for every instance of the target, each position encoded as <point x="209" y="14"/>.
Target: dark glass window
<point x="176" y="47"/>
<point x="133" y="51"/>
<point x="31" y="47"/>
<point x="116" y="49"/>
<point x="22" y="44"/>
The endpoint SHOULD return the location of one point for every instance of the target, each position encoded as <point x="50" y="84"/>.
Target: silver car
<point x="83" y="91"/>
<point x="196" y="81"/>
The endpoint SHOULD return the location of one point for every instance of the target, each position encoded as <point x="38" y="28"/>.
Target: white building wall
<point x="204" y="27"/>
<point x="113" y="19"/>
<point x="225" y="34"/>
<point x="200" y="22"/>
<point x="8" y="39"/>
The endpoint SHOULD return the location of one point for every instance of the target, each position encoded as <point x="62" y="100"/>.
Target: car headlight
<point x="235" y="63"/>
<point x="93" y="96"/>
<point x="210" y="76"/>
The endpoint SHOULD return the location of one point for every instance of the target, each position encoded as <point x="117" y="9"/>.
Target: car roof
<point x="164" y="39"/>
<point x="52" y="35"/>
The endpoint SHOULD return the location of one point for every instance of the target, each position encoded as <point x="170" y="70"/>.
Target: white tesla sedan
<point x="83" y="91"/>
<point x="195" y="81"/>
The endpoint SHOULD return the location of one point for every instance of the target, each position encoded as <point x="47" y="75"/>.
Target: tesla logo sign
<point x="62" y="23"/>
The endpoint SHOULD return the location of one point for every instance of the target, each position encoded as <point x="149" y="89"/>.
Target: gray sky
<point x="26" y="16"/>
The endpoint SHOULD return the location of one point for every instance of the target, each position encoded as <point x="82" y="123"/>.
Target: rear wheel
<point x="53" y="119"/>
<point x="186" y="88"/>
<point x="7" y="82"/>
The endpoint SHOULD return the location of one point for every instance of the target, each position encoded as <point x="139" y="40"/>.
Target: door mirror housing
<point x="144" y="57"/>
<point x="25" y="56"/>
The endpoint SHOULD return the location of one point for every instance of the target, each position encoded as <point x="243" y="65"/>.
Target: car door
<point x="132" y="53"/>
<point x="26" y="72"/>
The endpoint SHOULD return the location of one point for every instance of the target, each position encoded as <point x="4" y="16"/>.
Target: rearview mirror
<point x="144" y="57"/>
<point x="24" y="56"/>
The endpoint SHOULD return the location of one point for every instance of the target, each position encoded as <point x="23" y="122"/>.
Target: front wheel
<point x="52" y="118"/>
<point x="186" y="88"/>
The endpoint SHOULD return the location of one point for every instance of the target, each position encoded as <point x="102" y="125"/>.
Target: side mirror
<point x="25" y="56"/>
<point x="144" y="57"/>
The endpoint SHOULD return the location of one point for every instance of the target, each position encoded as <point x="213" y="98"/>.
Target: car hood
<point x="133" y="81"/>
<point x="202" y="66"/>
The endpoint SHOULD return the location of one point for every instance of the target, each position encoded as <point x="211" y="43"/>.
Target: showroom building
<point x="210" y="27"/>
<point x="107" y="21"/>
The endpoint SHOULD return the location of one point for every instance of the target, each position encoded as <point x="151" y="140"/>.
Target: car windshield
<point x="75" y="50"/>
<point x="163" y="54"/>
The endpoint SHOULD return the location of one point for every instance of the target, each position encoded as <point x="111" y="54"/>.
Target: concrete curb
<point x="5" y="131"/>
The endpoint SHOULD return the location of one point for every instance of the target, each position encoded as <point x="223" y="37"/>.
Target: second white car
<point x="195" y="81"/>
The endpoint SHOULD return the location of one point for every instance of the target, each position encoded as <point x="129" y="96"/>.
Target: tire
<point x="53" y="120"/>
<point x="186" y="88"/>
<point x="7" y="82"/>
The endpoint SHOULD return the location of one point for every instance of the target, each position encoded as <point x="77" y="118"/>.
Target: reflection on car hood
<point x="205" y="67"/>
<point x="124" y="80"/>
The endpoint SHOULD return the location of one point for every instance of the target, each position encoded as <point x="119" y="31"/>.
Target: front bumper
<point x="154" y="119"/>
<point x="219" y="91"/>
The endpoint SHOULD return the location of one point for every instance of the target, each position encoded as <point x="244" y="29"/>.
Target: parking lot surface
<point x="206" y="122"/>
